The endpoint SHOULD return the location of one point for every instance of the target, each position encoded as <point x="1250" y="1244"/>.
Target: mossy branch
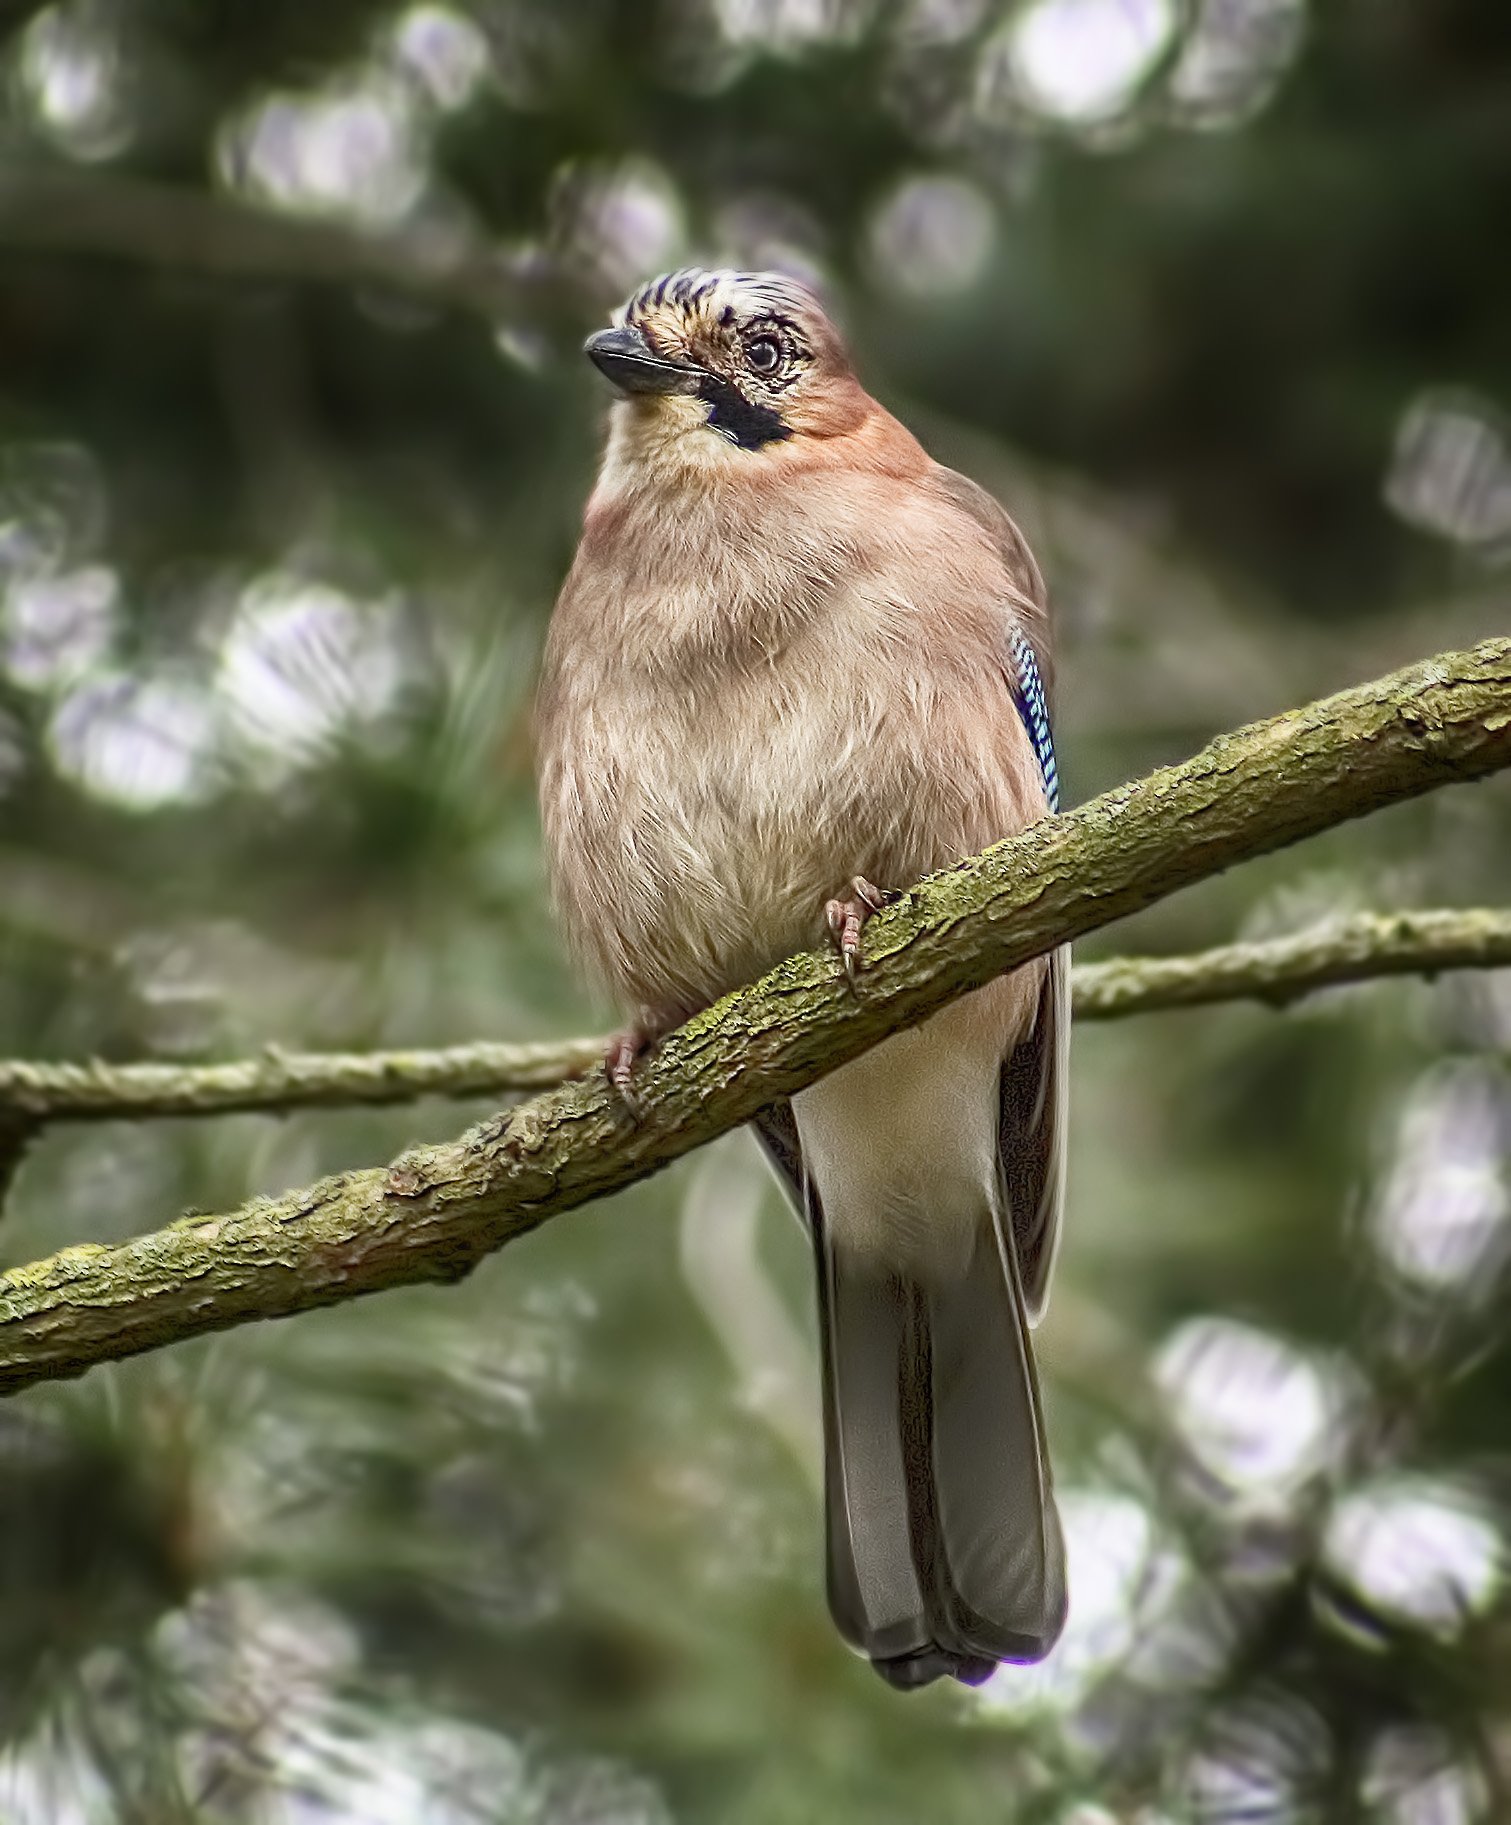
<point x="1276" y="971"/>
<point x="437" y="1211"/>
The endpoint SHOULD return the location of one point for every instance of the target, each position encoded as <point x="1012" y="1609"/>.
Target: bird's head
<point x="714" y="367"/>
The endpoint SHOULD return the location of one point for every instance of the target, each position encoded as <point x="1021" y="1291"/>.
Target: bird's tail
<point x="944" y="1548"/>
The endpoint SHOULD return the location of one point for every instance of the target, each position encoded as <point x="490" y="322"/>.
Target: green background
<point x="1216" y="296"/>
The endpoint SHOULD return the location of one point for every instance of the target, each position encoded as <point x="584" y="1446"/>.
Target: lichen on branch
<point x="1276" y="971"/>
<point x="436" y="1211"/>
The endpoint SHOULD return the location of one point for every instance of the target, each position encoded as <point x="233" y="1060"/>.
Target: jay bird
<point x="795" y="666"/>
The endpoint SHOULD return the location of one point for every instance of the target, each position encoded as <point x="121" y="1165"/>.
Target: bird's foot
<point x="628" y="1047"/>
<point x="847" y="919"/>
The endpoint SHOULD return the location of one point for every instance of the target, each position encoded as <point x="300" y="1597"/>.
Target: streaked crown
<point x="756" y="348"/>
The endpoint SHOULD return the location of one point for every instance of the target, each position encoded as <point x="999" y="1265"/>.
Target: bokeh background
<point x="1216" y="295"/>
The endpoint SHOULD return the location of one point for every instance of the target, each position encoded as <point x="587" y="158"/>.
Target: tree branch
<point x="437" y="1211"/>
<point x="178" y="229"/>
<point x="1276" y="971"/>
<point x="279" y="1082"/>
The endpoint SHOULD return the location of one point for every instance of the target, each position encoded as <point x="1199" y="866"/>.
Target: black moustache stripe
<point x="739" y="419"/>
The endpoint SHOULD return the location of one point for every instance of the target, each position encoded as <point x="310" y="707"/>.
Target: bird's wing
<point x="776" y="1129"/>
<point x="1032" y="701"/>
<point x="1032" y="1095"/>
<point x="1032" y="1098"/>
<point x="1025" y="599"/>
<point x="1032" y="1104"/>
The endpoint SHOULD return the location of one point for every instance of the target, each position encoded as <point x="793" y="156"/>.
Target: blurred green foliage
<point x="1214" y="295"/>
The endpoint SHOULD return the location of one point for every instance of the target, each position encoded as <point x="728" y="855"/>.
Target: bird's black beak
<point x="626" y="358"/>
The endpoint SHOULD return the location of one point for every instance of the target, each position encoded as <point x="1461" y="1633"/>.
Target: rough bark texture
<point x="1278" y="971"/>
<point x="435" y="1212"/>
<point x="1275" y="971"/>
<point x="277" y="1081"/>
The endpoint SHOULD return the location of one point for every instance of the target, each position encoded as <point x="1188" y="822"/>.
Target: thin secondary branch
<point x="178" y="229"/>
<point x="277" y="1081"/>
<point x="437" y="1211"/>
<point x="1277" y="971"/>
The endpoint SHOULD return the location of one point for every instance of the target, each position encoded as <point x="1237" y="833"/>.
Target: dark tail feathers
<point x="944" y="1548"/>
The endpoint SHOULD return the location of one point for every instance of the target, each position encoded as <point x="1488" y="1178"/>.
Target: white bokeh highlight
<point x="1413" y="1776"/>
<point x="70" y="77"/>
<point x="354" y="151"/>
<point x="1260" y="1415"/>
<point x="1450" y="472"/>
<point x="139" y="742"/>
<point x="1439" y="1214"/>
<point x="443" y="51"/>
<point x="1083" y="61"/>
<point x="1416" y="1552"/>
<point x="1262" y="1763"/>
<point x="54" y="628"/>
<point x="931" y="236"/>
<point x="619" y="222"/>
<point x="301" y="663"/>
<point x="791" y="25"/>
<point x="941" y="21"/>
<point x="1233" y="58"/>
<point x="1125" y="1578"/>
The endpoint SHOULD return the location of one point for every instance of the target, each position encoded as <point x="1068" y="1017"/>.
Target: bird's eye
<point x="764" y="353"/>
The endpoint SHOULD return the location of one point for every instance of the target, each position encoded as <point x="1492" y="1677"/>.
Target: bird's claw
<point x="625" y="1050"/>
<point x="619" y="1065"/>
<point x="847" y="920"/>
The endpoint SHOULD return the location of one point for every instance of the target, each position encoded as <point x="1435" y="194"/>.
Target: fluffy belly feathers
<point x="707" y="829"/>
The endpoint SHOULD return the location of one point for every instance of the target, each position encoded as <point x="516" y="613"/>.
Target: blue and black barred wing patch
<point x="1028" y="693"/>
